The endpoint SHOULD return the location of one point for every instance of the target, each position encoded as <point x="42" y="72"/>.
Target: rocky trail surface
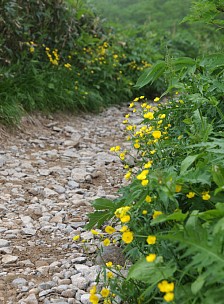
<point x="51" y="169"/>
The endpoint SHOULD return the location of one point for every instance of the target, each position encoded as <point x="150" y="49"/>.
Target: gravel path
<point x="50" y="171"/>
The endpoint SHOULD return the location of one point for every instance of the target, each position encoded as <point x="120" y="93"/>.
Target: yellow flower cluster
<point x="121" y="213"/>
<point x="168" y="289"/>
<point x="143" y="177"/>
<point x="54" y="57"/>
<point x="94" y="299"/>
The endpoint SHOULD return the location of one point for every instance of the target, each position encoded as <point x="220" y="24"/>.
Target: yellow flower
<point x="137" y="145"/>
<point x="109" y="229"/>
<point x="148" y="165"/>
<point x="156" y="213"/>
<point x="109" y="264"/>
<point x="151" y="257"/>
<point x="156" y="99"/>
<point x="127" y="237"/>
<point x="122" y="156"/>
<point x="125" y="219"/>
<point x="142" y="175"/>
<point x="105" y="292"/>
<point x="129" y="128"/>
<point x="148" y="199"/>
<point x="120" y="212"/>
<point x="124" y="228"/>
<point x="127" y="175"/>
<point x="152" y="152"/>
<point x="149" y="115"/>
<point x="127" y="115"/>
<point x="134" y="110"/>
<point x="144" y="212"/>
<point x="151" y="239"/>
<point x="136" y="99"/>
<point x="141" y="97"/>
<point x="76" y="237"/>
<point x="162" y="116"/>
<point x="169" y="297"/>
<point x="117" y="148"/>
<point x="110" y="275"/>
<point x="125" y="121"/>
<point x="32" y="49"/>
<point x="156" y="134"/>
<point x="94" y="232"/>
<point x="145" y="182"/>
<point x="164" y="286"/>
<point x="93" y="290"/>
<point x="131" y="105"/>
<point x="190" y="194"/>
<point x="178" y="188"/>
<point x="112" y="149"/>
<point x="205" y="196"/>
<point x="94" y="299"/>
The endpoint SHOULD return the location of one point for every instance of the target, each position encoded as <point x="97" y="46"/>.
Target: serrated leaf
<point x="103" y="204"/>
<point x="198" y="284"/>
<point x="97" y="219"/>
<point x="150" y="273"/>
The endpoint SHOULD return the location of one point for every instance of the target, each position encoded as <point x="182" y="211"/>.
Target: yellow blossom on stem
<point x="127" y="175"/>
<point x="136" y="99"/>
<point x="151" y="239"/>
<point x="109" y="229"/>
<point x="127" y="237"/>
<point x="178" y="188"/>
<point x="156" y="214"/>
<point x="137" y="145"/>
<point x="152" y="152"/>
<point x="131" y="105"/>
<point x="109" y="264"/>
<point x="148" y="199"/>
<point x="94" y="232"/>
<point x="110" y="275"/>
<point x="156" y="134"/>
<point x="94" y="299"/>
<point x="145" y="182"/>
<point x="156" y="99"/>
<point x="105" y="292"/>
<point x="165" y="286"/>
<point x="205" y="196"/>
<point x="144" y="212"/>
<point x="169" y="296"/>
<point x="149" y="115"/>
<point x="124" y="228"/>
<point x="151" y="257"/>
<point x="125" y="219"/>
<point x="106" y="242"/>
<point x="191" y="194"/>
<point x="76" y="237"/>
<point x="142" y="175"/>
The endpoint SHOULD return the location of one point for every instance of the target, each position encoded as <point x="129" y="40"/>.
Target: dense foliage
<point x="169" y="218"/>
<point x="77" y="65"/>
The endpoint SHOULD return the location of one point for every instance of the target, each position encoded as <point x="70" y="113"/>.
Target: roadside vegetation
<point x="169" y="218"/>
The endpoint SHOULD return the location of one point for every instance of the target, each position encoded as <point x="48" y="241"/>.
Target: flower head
<point x="151" y="257"/>
<point x="151" y="239"/>
<point x="127" y="237"/>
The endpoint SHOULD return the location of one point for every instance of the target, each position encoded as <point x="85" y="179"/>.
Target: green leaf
<point x="103" y="203"/>
<point x="151" y="75"/>
<point x="150" y="273"/>
<point x="176" y="216"/>
<point x="97" y="219"/>
<point x="198" y="284"/>
<point x="218" y="175"/>
<point x="187" y="162"/>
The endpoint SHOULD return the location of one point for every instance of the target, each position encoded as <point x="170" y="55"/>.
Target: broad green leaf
<point x="103" y="204"/>
<point x="151" y="75"/>
<point x="187" y="162"/>
<point x="150" y="273"/>
<point x="218" y="175"/>
<point x="198" y="284"/>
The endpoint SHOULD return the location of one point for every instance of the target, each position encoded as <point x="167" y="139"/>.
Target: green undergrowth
<point x="169" y="217"/>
